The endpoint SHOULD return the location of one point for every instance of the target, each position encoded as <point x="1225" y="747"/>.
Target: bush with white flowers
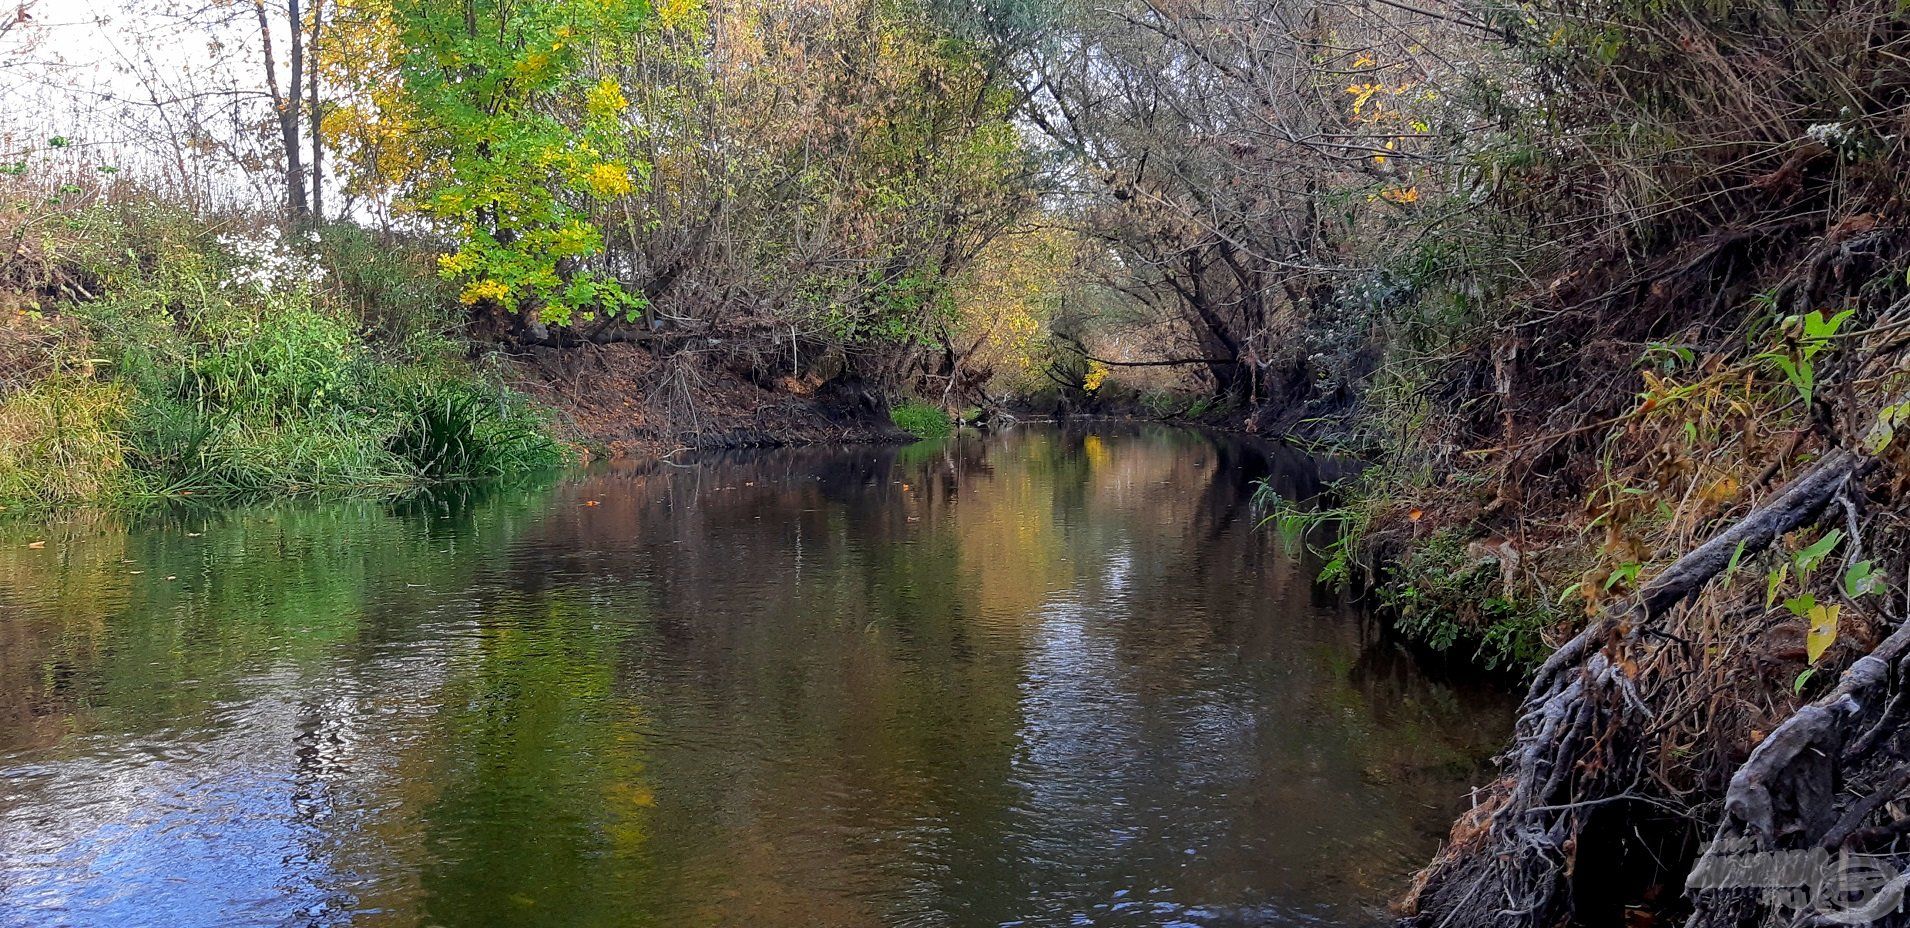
<point x="265" y="260"/>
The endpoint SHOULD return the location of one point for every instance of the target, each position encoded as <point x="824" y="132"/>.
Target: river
<point x="1043" y="677"/>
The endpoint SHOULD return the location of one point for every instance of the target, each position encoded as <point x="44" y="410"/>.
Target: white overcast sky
<point x="124" y="80"/>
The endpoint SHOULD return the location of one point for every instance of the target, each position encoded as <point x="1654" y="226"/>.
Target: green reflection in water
<point x="1035" y="676"/>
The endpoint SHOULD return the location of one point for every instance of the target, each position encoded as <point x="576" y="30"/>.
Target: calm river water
<point x="1046" y="677"/>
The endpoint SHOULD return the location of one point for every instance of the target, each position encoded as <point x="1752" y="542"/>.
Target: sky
<point x="171" y="91"/>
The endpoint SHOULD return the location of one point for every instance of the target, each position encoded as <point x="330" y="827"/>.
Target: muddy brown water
<point x="1043" y="677"/>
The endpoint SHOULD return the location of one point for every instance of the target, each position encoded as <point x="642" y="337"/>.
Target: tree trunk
<point x="287" y="107"/>
<point x="316" y="115"/>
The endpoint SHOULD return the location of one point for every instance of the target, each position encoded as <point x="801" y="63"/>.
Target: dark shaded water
<point x="1044" y="678"/>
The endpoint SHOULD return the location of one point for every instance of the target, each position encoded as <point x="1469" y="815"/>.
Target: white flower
<point x="266" y="263"/>
<point x="1830" y="134"/>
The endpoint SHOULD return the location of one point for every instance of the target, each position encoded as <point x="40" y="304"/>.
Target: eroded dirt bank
<point x="621" y="400"/>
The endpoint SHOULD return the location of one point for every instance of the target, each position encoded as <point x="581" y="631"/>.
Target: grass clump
<point x="238" y="364"/>
<point x="60" y="440"/>
<point x="921" y="420"/>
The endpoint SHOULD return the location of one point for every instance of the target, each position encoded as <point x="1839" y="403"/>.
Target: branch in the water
<point x="1164" y="362"/>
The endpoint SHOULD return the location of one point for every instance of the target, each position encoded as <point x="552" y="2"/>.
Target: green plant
<point x="390" y="286"/>
<point x="920" y="419"/>
<point x="60" y="441"/>
<point x="229" y="366"/>
<point x="1436" y="593"/>
<point x="459" y="432"/>
<point x="1295" y="522"/>
<point x="1808" y="335"/>
<point x="1442" y="596"/>
<point x="528" y="139"/>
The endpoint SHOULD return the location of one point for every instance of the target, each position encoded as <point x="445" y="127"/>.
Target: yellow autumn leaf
<point x="607" y="179"/>
<point x="480" y="290"/>
<point x="1722" y="490"/>
<point x="1361" y="93"/>
<point x="605" y="99"/>
<point x="1823" y="631"/>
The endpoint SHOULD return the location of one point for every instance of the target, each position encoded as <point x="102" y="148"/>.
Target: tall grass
<point x="217" y="361"/>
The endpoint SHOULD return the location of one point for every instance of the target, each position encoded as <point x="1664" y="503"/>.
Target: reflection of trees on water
<point x="958" y="682"/>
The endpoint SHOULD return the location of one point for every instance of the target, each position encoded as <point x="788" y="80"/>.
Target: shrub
<point x="390" y="286"/>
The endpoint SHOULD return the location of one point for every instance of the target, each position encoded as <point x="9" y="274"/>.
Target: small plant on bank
<point x="1441" y="595"/>
<point x="1438" y="592"/>
<point x="921" y="419"/>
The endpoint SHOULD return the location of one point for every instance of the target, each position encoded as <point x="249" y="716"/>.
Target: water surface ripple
<point x="1047" y="677"/>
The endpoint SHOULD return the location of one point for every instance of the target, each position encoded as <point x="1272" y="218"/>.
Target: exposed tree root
<point x="1827" y="780"/>
<point x="1542" y="843"/>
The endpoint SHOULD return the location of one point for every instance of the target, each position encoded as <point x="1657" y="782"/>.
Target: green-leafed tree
<point x="523" y="133"/>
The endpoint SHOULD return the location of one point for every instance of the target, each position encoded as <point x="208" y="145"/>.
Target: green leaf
<point x="1801" y="605"/>
<point x="1880" y="436"/>
<point x="1623" y="573"/>
<point x="1818" y="328"/>
<point x="1737" y="554"/>
<point x="1803" y="678"/>
<point x="1779" y="574"/>
<point x="1808" y="559"/>
<point x="1861" y="579"/>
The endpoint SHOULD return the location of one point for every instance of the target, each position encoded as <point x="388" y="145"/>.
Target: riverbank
<point x="623" y="401"/>
<point x="148" y="354"/>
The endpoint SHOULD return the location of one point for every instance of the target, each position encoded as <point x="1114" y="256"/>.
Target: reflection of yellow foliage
<point x="631" y="794"/>
<point x="1096" y="452"/>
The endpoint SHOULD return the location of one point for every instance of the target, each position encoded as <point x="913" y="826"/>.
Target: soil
<point x="621" y="400"/>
